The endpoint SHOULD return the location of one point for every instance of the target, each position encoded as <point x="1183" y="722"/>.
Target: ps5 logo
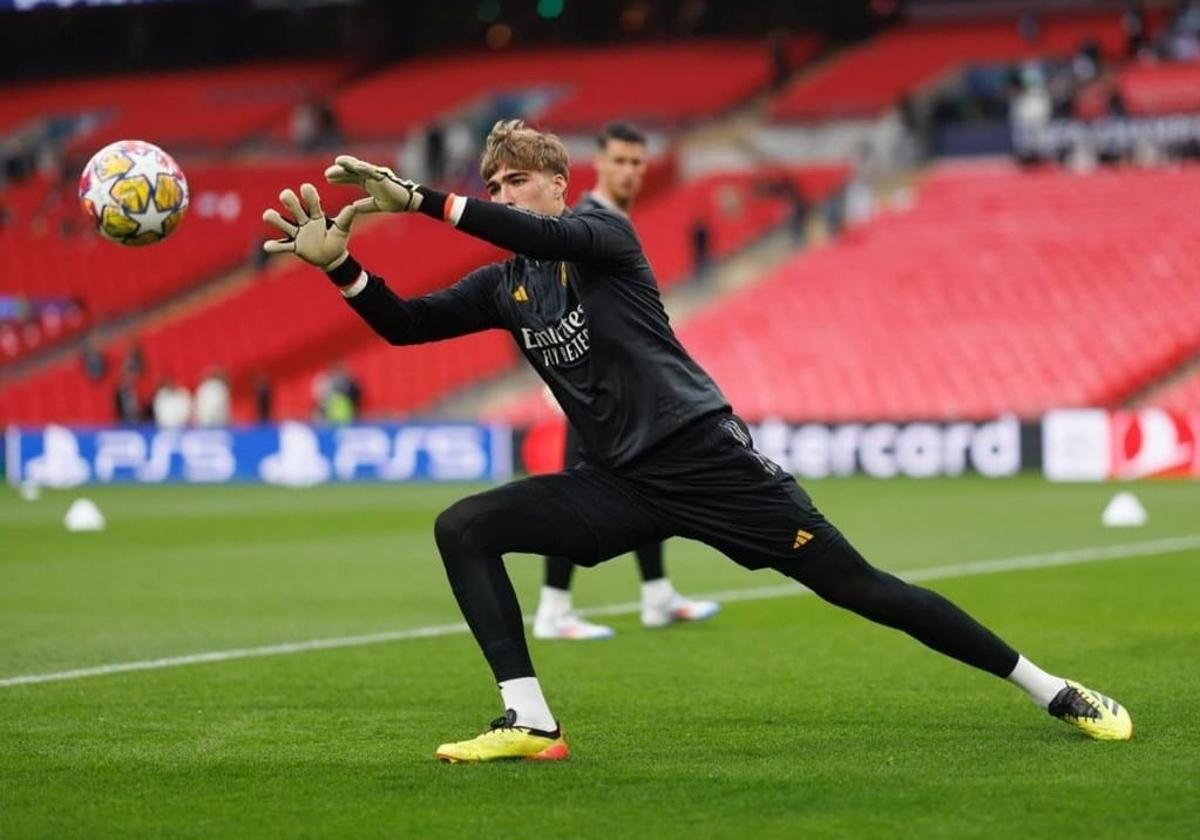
<point x="199" y="455"/>
<point x="291" y="454"/>
<point x="442" y="453"/>
<point x="204" y="455"/>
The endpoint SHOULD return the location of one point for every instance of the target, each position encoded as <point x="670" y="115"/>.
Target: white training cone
<point x="83" y="515"/>
<point x="1124" y="511"/>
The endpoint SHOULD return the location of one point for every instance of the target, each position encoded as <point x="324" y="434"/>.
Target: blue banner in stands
<point x="290" y="454"/>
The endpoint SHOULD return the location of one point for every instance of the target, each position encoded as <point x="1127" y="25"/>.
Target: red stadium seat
<point x="50" y="252"/>
<point x="1151" y="88"/>
<point x="207" y="108"/>
<point x="869" y="79"/>
<point x="653" y="84"/>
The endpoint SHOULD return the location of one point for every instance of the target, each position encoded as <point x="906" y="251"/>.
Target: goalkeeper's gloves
<point x="311" y="237"/>
<point x="389" y="193"/>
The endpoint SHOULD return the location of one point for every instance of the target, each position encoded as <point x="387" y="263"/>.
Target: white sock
<point x="657" y="592"/>
<point x="1040" y="686"/>
<point x="524" y="696"/>
<point x="554" y="601"/>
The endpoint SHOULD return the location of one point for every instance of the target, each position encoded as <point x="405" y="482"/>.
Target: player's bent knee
<point x="451" y="525"/>
<point x="466" y="523"/>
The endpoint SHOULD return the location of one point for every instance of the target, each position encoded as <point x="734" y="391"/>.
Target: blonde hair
<point x="512" y="144"/>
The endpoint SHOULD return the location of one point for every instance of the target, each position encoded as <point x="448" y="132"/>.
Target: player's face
<point x="620" y="166"/>
<point x="540" y="192"/>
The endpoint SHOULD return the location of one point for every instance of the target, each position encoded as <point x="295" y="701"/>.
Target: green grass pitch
<point x="782" y="717"/>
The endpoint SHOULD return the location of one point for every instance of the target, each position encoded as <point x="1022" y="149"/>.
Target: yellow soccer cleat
<point x="505" y="741"/>
<point x="1098" y="716"/>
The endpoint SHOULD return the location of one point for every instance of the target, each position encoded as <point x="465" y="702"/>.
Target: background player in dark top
<point x="666" y="456"/>
<point x="620" y="165"/>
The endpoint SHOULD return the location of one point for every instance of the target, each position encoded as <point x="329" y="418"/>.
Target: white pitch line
<point x="983" y="567"/>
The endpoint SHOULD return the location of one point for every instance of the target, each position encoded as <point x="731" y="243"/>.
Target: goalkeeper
<point x="667" y="455"/>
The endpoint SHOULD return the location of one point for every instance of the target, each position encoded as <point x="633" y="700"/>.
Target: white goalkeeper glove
<point x="311" y="237"/>
<point x="389" y="193"/>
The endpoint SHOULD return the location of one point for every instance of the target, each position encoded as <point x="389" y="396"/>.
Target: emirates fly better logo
<point x="565" y="343"/>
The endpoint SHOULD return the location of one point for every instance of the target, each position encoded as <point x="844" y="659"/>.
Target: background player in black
<point x="620" y="166"/>
<point x="666" y="455"/>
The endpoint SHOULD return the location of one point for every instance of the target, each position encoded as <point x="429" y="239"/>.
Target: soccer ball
<point x="134" y="192"/>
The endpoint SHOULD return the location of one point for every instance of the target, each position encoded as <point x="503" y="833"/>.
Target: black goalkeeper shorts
<point x="706" y="483"/>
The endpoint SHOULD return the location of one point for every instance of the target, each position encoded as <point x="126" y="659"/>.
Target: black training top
<point x="582" y="304"/>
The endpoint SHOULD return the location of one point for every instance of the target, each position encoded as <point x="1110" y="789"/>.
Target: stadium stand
<point x="866" y="80"/>
<point x="581" y="89"/>
<point x="206" y="109"/>
<point x="286" y="325"/>
<point x="287" y="318"/>
<point x="1002" y="291"/>
<point x="1150" y="88"/>
<point x="50" y="252"/>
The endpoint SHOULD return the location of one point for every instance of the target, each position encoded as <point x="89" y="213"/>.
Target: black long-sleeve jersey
<point x="581" y="302"/>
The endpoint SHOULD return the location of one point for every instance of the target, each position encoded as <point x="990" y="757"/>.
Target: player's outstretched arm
<point x="572" y="238"/>
<point x="464" y="308"/>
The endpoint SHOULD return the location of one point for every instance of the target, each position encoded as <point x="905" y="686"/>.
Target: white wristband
<point x="355" y="287"/>
<point x="458" y="204"/>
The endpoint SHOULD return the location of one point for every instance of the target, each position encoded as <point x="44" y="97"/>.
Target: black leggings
<point x="649" y="560"/>
<point x="475" y="533"/>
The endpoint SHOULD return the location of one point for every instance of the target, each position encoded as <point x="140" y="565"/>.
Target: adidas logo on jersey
<point x="802" y="537"/>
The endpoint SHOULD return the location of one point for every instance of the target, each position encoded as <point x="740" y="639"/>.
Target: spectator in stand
<point x="314" y="126"/>
<point x="1133" y="24"/>
<point x="211" y="403"/>
<point x="435" y="153"/>
<point x="799" y="208"/>
<point x="127" y="403"/>
<point x="1031" y="107"/>
<point x="329" y="133"/>
<point x="337" y="396"/>
<point x="304" y="127"/>
<point x="262" y="398"/>
<point x="461" y="151"/>
<point x="1116" y="103"/>
<point x="172" y="405"/>
<point x="135" y="361"/>
<point x="1087" y="63"/>
<point x="1183" y="35"/>
<point x="1029" y="28"/>
<point x="701" y="248"/>
<point x="833" y="212"/>
<point x="858" y="198"/>
<point x="95" y="365"/>
<point x="345" y="383"/>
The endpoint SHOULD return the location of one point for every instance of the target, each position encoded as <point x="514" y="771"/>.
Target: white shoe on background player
<point x="676" y="609"/>
<point x="568" y="625"/>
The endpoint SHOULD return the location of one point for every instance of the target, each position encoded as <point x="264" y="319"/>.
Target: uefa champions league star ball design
<point x="134" y="192"/>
